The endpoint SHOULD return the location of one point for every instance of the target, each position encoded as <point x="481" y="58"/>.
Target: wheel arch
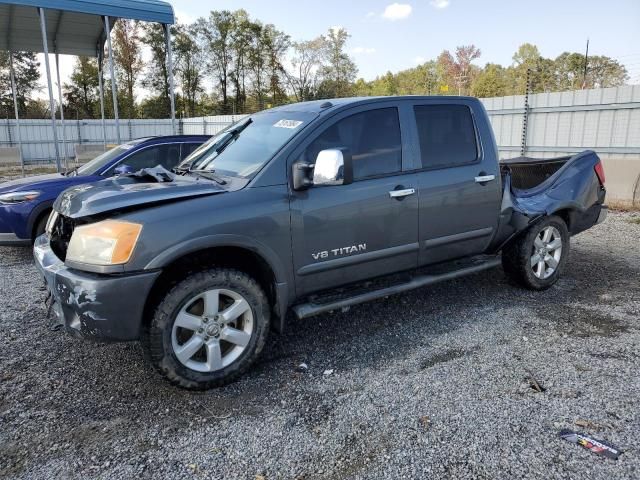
<point x="227" y="251"/>
<point x="36" y="215"/>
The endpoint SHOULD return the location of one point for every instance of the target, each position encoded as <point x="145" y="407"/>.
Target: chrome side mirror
<point x="329" y="168"/>
<point x="332" y="167"/>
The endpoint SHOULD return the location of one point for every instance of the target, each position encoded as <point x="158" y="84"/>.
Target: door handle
<point x="402" y="193"/>
<point x="485" y="178"/>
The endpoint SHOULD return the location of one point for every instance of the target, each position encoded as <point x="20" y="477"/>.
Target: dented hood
<point x="126" y="192"/>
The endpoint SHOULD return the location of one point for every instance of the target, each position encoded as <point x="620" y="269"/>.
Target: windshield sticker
<point x="126" y="146"/>
<point x="288" y="124"/>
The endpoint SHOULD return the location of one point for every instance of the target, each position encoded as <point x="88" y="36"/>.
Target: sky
<point x="392" y="36"/>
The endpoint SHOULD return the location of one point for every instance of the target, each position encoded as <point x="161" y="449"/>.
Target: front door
<point x="346" y="233"/>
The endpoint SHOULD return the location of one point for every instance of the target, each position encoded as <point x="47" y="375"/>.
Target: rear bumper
<point x="604" y="212"/>
<point x="101" y="307"/>
<point x="594" y="215"/>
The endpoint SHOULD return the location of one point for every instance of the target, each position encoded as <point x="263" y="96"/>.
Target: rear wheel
<point x="536" y="259"/>
<point x="208" y="329"/>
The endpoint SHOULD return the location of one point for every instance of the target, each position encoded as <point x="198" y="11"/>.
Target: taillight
<point x="599" y="172"/>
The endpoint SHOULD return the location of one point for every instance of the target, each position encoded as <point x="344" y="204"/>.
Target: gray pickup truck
<point x="305" y="208"/>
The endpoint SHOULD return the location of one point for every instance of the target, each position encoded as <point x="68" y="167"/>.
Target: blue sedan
<point x="25" y="203"/>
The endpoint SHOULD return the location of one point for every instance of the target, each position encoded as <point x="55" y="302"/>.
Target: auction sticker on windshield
<point x="288" y="124"/>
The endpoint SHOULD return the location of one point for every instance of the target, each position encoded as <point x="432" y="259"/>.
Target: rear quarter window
<point x="447" y="135"/>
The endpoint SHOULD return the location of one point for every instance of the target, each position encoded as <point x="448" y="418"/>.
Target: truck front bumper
<point x="100" y="307"/>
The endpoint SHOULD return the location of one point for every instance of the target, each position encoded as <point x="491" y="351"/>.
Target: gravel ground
<point x="430" y="384"/>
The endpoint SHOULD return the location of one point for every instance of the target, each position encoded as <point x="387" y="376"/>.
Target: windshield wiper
<point x="70" y="171"/>
<point x="209" y="175"/>
<point x="232" y="135"/>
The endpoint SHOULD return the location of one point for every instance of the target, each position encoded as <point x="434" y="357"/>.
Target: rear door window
<point x="447" y="135"/>
<point x="373" y="138"/>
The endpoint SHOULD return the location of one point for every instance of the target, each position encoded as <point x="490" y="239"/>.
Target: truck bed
<point x="529" y="172"/>
<point x="533" y="188"/>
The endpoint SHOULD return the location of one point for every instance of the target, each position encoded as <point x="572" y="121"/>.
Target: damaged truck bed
<point x="306" y="208"/>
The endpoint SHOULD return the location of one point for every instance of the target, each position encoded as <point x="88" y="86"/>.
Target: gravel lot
<point x="430" y="384"/>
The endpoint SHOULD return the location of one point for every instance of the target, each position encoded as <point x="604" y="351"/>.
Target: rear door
<point x="458" y="181"/>
<point x="346" y="233"/>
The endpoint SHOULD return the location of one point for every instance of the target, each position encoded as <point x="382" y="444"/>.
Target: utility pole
<point x="586" y="63"/>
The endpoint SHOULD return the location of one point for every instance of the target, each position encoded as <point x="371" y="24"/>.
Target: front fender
<point x="223" y="240"/>
<point x="228" y="240"/>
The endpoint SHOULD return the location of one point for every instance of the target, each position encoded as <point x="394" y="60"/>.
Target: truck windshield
<point x="242" y="149"/>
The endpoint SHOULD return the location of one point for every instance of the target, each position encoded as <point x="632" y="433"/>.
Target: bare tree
<point x="128" y="58"/>
<point x="306" y="62"/>
<point x="218" y="30"/>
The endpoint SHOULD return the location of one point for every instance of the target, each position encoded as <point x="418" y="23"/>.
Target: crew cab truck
<point x="305" y="208"/>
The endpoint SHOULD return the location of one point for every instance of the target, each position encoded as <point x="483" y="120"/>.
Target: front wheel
<point x="536" y="259"/>
<point x="209" y="329"/>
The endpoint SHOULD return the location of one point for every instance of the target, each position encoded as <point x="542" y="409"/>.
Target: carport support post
<point x="104" y="125"/>
<point x="15" y="108"/>
<point x="64" y="129"/>
<point x="172" y="87"/>
<point x="45" y="47"/>
<point x="114" y="87"/>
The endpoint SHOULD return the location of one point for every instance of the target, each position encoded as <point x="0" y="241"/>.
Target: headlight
<point x="18" y="197"/>
<point x="110" y="242"/>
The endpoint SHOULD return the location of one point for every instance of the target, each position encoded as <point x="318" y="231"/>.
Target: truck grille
<point x="60" y="235"/>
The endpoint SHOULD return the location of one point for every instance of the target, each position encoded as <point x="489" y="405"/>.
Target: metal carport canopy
<point x="74" y="27"/>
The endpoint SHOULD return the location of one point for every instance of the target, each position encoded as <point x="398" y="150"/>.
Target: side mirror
<point x="123" y="169"/>
<point x="332" y="167"/>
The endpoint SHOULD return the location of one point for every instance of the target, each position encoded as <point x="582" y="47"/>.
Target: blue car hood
<point x="32" y="183"/>
<point x="126" y="192"/>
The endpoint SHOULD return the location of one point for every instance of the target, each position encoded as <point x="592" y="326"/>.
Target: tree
<point x="459" y="69"/>
<point x="276" y="44"/>
<point x="81" y="94"/>
<point x="157" y="78"/>
<point x="27" y="76"/>
<point x="490" y="82"/>
<point x="242" y="33"/>
<point x="190" y="66"/>
<point x="128" y="62"/>
<point x="603" y="72"/>
<point x="339" y="72"/>
<point x="217" y="31"/>
<point x="541" y="71"/>
<point x="306" y="61"/>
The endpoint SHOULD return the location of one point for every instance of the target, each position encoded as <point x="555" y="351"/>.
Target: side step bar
<point x="305" y="310"/>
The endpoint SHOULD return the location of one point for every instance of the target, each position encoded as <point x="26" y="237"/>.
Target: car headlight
<point x="110" y="242"/>
<point x="12" y="198"/>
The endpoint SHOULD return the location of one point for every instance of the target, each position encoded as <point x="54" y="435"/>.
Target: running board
<point x="305" y="310"/>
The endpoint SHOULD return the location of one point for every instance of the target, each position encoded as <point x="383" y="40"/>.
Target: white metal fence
<point x="37" y="135"/>
<point x="606" y="120"/>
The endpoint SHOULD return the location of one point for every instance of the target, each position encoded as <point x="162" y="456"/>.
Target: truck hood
<point x="126" y="192"/>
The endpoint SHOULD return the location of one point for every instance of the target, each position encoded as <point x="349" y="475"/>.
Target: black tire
<point x="41" y="226"/>
<point x="517" y="256"/>
<point x="157" y="338"/>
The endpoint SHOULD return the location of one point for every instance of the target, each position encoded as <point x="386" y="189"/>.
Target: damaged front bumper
<point x="101" y="307"/>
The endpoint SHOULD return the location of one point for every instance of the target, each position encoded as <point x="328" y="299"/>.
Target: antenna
<point x="586" y="63"/>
